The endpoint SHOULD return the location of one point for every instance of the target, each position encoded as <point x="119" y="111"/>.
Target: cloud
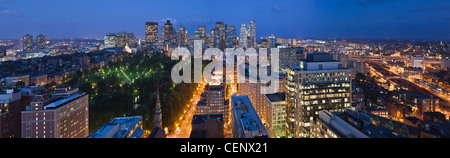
<point x="9" y="12"/>
<point x="277" y="9"/>
<point x="173" y="21"/>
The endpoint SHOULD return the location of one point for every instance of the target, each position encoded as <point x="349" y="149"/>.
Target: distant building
<point x="412" y="104"/>
<point x="245" y="122"/>
<point x="10" y="107"/>
<point x="120" y="40"/>
<point x="417" y="61"/>
<point x="12" y="81"/>
<point x="167" y="33"/>
<point x="252" y="34"/>
<point x="413" y="72"/>
<point x="230" y="36"/>
<point x="243" y="37"/>
<point x="209" y="124"/>
<point x="151" y="32"/>
<point x="445" y="64"/>
<point x="27" y="42"/>
<point x="276" y="115"/>
<point x="39" y="80"/>
<point x="41" y="41"/>
<point x="271" y="41"/>
<point x="290" y="57"/>
<point x="120" y="127"/>
<point x="65" y="115"/>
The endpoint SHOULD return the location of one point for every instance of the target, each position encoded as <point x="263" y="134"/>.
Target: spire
<point x="158" y="114"/>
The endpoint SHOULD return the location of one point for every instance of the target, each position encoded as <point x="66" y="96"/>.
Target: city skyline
<point x="375" y="19"/>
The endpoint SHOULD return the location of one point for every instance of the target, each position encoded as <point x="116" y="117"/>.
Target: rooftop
<point x="277" y="97"/>
<point x="119" y="127"/>
<point x="246" y="115"/>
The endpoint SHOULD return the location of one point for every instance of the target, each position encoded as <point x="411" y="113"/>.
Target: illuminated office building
<point x="151" y="32"/>
<point x="230" y="36"/>
<point x="318" y="83"/>
<point x="252" y="34"/>
<point x="41" y="41"/>
<point x="64" y="115"/>
<point x="27" y="42"/>
<point x="167" y="33"/>
<point x="243" y="37"/>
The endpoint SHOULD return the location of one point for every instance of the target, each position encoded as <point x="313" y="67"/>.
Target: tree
<point x="20" y="84"/>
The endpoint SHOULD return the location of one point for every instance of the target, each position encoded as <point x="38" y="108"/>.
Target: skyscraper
<point x="202" y="30"/>
<point x="252" y="34"/>
<point x="183" y="36"/>
<point x="220" y="27"/>
<point x="272" y="40"/>
<point x="168" y="33"/>
<point x="318" y="83"/>
<point x="27" y="42"/>
<point x="40" y="41"/>
<point x="230" y="36"/>
<point x="151" y="32"/>
<point x="243" y="37"/>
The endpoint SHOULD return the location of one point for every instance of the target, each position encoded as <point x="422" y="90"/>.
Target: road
<point x="184" y="129"/>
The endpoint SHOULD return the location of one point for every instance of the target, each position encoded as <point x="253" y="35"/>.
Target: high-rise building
<point x="215" y="38"/>
<point x="318" y="83"/>
<point x="230" y="36"/>
<point x="290" y="56"/>
<point x="27" y="42"/>
<point x="202" y="30"/>
<point x="151" y="32"/>
<point x="64" y="115"/>
<point x="120" y="127"/>
<point x="243" y="37"/>
<point x="10" y="107"/>
<point x="272" y="41"/>
<point x="41" y="41"/>
<point x="167" y="33"/>
<point x="220" y="26"/>
<point x="183" y="36"/>
<point x="245" y="122"/>
<point x="252" y="34"/>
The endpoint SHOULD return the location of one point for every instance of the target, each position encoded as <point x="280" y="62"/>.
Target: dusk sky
<point x="370" y="19"/>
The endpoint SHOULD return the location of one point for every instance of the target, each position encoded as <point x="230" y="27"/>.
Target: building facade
<point x="318" y="83"/>
<point x="65" y="115"/>
<point x="151" y="32"/>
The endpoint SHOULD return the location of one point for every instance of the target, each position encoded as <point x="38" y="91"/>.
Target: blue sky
<point x="373" y="19"/>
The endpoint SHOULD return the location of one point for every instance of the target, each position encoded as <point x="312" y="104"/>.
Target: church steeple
<point x="158" y="114"/>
